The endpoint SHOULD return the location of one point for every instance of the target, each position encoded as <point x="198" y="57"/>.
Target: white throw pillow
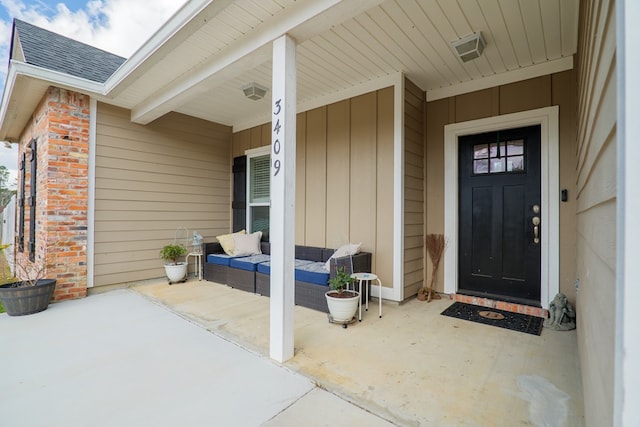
<point x="247" y="244"/>
<point x="227" y="242"/>
<point x="345" y="250"/>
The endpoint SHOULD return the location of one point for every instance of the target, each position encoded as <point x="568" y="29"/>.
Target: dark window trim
<point x="21" y="204"/>
<point x="32" y="200"/>
<point x="239" y="203"/>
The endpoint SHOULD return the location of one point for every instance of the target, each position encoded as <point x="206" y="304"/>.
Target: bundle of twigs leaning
<point x="435" y="248"/>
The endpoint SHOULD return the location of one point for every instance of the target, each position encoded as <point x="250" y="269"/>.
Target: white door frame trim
<point x="547" y="118"/>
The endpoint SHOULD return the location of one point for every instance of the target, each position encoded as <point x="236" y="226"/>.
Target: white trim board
<point x="91" y="211"/>
<point x="251" y="153"/>
<point x="626" y="391"/>
<point x="533" y="71"/>
<point x="547" y="118"/>
<point x="397" y="292"/>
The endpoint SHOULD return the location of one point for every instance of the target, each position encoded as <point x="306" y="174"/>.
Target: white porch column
<point x="283" y="190"/>
<point x="626" y="410"/>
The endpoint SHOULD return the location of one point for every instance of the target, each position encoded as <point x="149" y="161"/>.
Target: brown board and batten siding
<point x="414" y="189"/>
<point x="555" y="89"/>
<point x="596" y="207"/>
<point x="150" y="180"/>
<point x="344" y="175"/>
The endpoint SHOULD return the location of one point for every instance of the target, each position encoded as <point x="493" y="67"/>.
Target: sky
<point x="117" y="26"/>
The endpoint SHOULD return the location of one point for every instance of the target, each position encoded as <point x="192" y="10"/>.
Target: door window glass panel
<point x="499" y="157"/>
<point x="497" y="165"/>
<point x="494" y="150"/>
<point x="480" y="151"/>
<point x="515" y="148"/>
<point x="481" y="166"/>
<point x="515" y="164"/>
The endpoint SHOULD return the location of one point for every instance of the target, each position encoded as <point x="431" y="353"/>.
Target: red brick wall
<point x="61" y="126"/>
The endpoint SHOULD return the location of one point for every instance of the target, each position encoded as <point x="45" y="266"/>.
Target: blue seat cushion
<point x="248" y="263"/>
<point x="220" y="259"/>
<point x="314" y="272"/>
<point x="265" y="267"/>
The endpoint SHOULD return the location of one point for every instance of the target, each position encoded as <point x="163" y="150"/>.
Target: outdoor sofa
<point x="252" y="273"/>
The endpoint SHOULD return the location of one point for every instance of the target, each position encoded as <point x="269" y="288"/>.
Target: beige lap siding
<point x="596" y="208"/>
<point x="344" y="175"/>
<point x="150" y="180"/>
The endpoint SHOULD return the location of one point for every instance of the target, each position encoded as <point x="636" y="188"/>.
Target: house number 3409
<point x="277" y="109"/>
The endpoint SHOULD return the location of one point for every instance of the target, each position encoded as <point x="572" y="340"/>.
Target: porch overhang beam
<point x="302" y="21"/>
<point x="187" y="20"/>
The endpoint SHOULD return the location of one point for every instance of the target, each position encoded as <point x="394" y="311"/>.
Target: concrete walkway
<point x="118" y="359"/>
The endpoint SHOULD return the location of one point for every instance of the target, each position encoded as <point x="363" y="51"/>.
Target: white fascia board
<point x="54" y="78"/>
<point x="57" y="78"/>
<point x="165" y="38"/>
<point x="171" y="97"/>
<point x="9" y="85"/>
<point x="537" y="70"/>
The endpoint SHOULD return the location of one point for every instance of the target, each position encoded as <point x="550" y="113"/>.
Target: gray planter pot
<point x="23" y="300"/>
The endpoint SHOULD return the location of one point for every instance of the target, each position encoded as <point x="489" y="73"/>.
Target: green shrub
<point x="341" y="280"/>
<point x="173" y="252"/>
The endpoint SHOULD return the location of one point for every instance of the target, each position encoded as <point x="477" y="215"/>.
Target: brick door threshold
<point x="501" y="305"/>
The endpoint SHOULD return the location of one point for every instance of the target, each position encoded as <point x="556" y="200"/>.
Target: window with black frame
<point x="259" y="193"/>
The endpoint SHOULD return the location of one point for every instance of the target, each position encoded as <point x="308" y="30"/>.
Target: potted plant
<point x="342" y="303"/>
<point x="30" y="293"/>
<point x="175" y="271"/>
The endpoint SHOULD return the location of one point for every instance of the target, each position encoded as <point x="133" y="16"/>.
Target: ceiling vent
<point x="469" y="47"/>
<point x="254" y="91"/>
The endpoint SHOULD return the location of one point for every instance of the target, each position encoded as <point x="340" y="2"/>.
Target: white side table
<point x="367" y="277"/>
<point x="198" y="263"/>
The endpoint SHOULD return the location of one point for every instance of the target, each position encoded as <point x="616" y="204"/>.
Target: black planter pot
<point x="23" y="300"/>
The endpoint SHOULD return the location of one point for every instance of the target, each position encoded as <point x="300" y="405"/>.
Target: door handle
<point x="536" y="229"/>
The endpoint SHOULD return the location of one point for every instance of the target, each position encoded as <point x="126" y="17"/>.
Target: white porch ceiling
<point x="342" y="44"/>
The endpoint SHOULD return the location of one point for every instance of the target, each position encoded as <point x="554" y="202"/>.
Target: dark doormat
<point x="494" y="317"/>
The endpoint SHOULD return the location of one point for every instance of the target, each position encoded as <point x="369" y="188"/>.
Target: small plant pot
<point x="341" y="308"/>
<point x="176" y="272"/>
<point x="23" y="300"/>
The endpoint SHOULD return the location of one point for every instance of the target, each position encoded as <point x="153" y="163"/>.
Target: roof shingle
<point x="52" y="51"/>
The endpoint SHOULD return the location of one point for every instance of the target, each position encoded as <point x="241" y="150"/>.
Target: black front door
<point x="499" y="214"/>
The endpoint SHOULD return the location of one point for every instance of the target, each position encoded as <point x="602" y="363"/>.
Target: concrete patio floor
<point x="413" y="367"/>
<point x="119" y="359"/>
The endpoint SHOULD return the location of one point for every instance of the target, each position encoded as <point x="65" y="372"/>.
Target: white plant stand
<point x="198" y="263"/>
<point x="367" y="277"/>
